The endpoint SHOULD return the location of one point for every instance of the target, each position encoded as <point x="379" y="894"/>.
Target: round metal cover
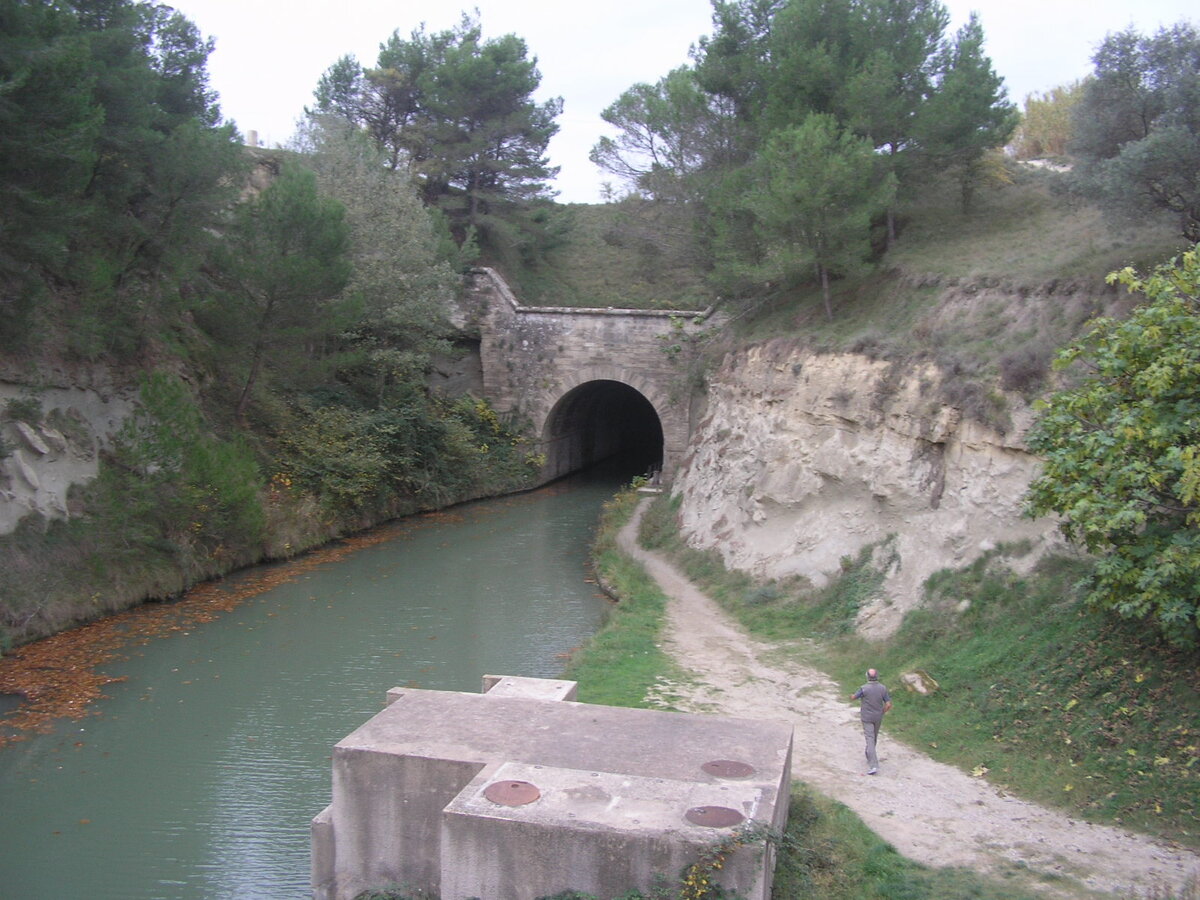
<point x="714" y="816"/>
<point x="511" y="793"/>
<point x="728" y="768"/>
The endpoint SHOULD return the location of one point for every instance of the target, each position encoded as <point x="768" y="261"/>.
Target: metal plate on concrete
<point x="511" y="793"/>
<point x="728" y="768"/>
<point x="714" y="816"/>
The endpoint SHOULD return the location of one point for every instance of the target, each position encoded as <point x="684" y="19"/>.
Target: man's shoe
<point x="872" y="771"/>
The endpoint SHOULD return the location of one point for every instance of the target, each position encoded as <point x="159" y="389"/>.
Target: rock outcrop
<point x="804" y="459"/>
<point x="78" y="414"/>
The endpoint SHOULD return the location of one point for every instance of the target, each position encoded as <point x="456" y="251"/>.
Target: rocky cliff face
<point x="78" y="413"/>
<point x="805" y="458"/>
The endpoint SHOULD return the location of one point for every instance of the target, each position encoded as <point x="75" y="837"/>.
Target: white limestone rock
<point x="805" y="458"/>
<point x="919" y="682"/>
<point x="32" y="438"/>
<point x="25" y="470"/>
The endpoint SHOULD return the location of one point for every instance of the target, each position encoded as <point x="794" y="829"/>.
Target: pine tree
<point x="457" y="111"/>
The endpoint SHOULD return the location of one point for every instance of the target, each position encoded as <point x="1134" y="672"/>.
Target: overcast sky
<point x="270" y="53"/>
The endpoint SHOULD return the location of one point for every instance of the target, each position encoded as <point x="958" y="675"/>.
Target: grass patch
<point x="829" y="854"/>
<point x="1004" y="234"/>
<point x="638" y="254"/>
<point x="776" y="610"/>
<point x="614" y="255"/>
<point x="622" y="661"/>
<point x="644" y="255"/>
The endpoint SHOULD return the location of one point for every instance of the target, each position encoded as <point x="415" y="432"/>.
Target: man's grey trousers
<point x="871" y="733"/>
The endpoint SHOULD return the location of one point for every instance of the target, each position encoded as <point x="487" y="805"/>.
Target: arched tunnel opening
<point x="603" y="421"/>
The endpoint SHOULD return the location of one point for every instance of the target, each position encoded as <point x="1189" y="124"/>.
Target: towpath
<point x="930" y="812"/>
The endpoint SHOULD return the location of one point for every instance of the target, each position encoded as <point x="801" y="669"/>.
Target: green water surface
<point x="198" y="776"/>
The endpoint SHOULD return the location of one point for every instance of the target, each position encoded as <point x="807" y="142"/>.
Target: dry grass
<point x="1026" y="235"/>
<point x="623" y="255"/>
<point x="1029" y="232"/>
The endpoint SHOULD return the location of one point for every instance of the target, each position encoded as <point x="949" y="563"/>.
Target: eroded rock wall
<point x="804" y="458"/>
<point x="80" y="413"/>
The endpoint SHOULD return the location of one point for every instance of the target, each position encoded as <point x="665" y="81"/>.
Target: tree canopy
<point x="399" y="289"/>
<point x="1046" y="123"/>
<point x="1137" y="125"/>
<point x="667" y="133"/>
<point x="287" y="254"/>
<point x="883" y="74"/>
<point x="818" y="191"/>
<point x="967" y="113"/>
<point x="113" y="169"/>
<point x="457" y="111"/>
<point x="1121" y="452"/>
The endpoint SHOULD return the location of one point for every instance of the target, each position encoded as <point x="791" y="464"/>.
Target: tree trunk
<point x="967" y="182"/>
<point x="260" y="346"/>
<point x="825" y="291"/>
<point x="244" y="399"/>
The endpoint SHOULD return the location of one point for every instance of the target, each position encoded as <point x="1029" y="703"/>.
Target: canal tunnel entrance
<point x="603" y="421"/>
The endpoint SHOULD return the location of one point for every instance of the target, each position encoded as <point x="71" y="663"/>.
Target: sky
<point x="270" y="53"/>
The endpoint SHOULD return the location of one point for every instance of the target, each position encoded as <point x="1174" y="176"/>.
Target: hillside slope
<point x="930" y="812"/>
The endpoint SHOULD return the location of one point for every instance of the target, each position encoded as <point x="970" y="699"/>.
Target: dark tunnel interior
<point x="603" y="421"/>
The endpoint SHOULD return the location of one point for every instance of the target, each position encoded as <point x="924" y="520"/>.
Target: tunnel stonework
<point x="584" y="379"/>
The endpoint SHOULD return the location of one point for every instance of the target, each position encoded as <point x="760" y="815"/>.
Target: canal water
<point x="198" y="774"/>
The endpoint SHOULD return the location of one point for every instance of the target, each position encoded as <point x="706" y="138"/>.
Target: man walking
<point x="875" y="702"/>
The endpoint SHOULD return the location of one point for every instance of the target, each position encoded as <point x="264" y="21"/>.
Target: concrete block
<point x="534" y="688"/>
<point x="594" y="832"/>
<point x="323" y="854"/>
<point x="386" y="816"/>
<point x="395" y="775"/>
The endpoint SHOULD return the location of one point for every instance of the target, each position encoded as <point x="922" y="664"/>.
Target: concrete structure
<point x="520" y="793"/>
<point x="591" y="382"/>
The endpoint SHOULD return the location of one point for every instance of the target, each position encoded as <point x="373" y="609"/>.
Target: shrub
<point x="1122" y="455"/>
<point x="23" y="409"/>
<point x="1024" y="368"/>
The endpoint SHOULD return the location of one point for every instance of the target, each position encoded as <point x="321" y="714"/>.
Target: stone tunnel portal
<point x="602" y="421"/>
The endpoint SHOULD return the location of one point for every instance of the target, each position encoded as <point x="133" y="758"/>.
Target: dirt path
<point x="932" y="813"/>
